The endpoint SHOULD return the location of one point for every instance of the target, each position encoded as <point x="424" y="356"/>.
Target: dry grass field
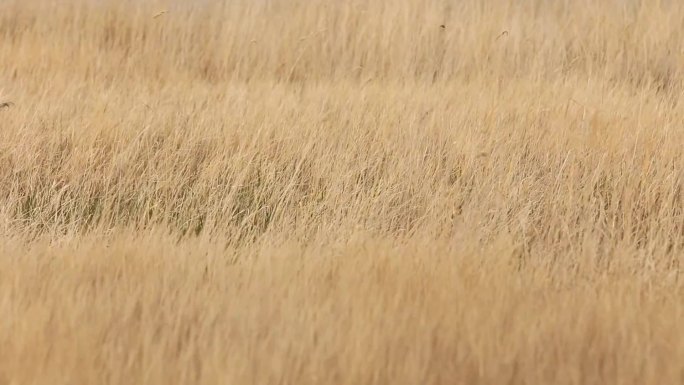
<point x="341" y="192"/>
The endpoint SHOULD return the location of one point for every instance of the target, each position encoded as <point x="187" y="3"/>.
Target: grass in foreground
<point x="341" y="192"/>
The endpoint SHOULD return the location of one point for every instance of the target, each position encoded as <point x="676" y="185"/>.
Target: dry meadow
<point x="341" y="192"/>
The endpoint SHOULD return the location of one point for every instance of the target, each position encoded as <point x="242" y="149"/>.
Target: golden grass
<point x="341" y="192"/>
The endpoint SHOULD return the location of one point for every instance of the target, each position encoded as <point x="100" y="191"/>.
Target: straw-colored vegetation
<point x="341" y="192"/>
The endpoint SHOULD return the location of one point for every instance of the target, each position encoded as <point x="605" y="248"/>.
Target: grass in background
<point x="341" y="192"/>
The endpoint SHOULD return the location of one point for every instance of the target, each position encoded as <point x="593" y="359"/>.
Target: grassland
<point x="341" y="192"/>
